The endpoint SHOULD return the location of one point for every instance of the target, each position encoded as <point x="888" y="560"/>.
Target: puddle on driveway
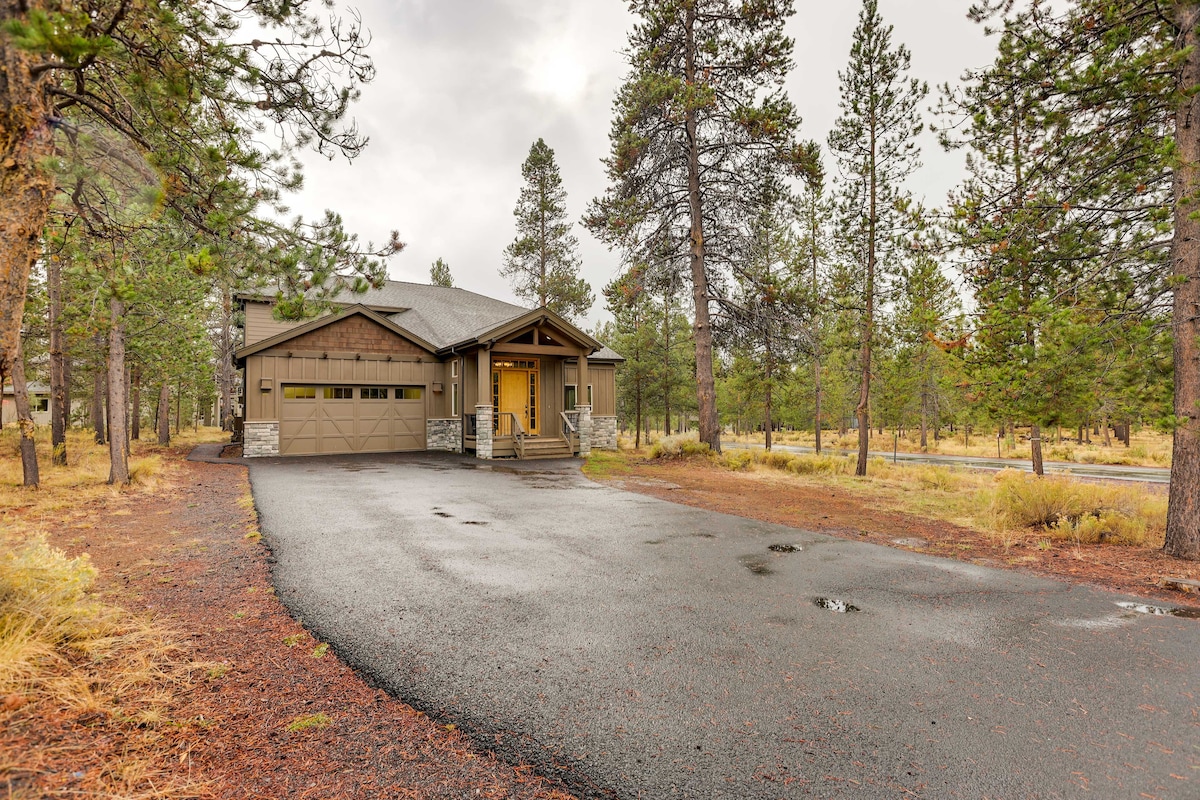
<point x="785" y="548"/>
<point x="837" y="606"/>
<point x="473" y="522"/>
<point x="1160" y="611"/>
<point x="756" y="564"/>
<point x="442" y="514"/>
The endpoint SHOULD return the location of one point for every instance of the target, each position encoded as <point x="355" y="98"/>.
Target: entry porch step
<point x="546" y="448"/>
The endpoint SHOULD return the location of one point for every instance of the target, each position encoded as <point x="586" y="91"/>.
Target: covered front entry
<point x="515" y="388"/>
<point x="351" y="419"/>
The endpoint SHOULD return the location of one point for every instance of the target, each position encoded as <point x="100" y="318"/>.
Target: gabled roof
<point x="440" y="318"/>
<point x="329" y="319"/>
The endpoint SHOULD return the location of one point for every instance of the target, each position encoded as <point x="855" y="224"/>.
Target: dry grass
<point x="1010" y="506"/>
<point x="67" y="659"/>
<point x="85" y="477"/>
<point x="1147" y="448"/>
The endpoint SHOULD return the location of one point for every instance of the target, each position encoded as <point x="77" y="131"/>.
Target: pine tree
<point x="701" y="120"/>
<point x="439" y="274"/>
<point x="873" y="142"/>
<point x="1117" y="89"/>
<point x="542" y="262"/>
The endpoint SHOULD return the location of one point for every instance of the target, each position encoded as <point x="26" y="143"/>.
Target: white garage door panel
<point x="347" y="422"/>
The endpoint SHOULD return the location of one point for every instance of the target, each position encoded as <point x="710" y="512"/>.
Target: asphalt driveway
<point x="636" y="648"/>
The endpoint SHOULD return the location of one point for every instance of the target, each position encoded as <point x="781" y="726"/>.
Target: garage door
<point x="351" y="419"/>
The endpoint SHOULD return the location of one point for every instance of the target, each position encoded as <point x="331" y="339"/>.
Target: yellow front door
<point x="514" y="395"/>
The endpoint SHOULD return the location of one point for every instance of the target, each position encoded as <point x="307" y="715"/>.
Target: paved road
<point x="636" y="648"/>
<point x="1112" y="472"/>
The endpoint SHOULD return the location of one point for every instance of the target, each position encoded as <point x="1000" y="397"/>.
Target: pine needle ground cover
<point x="1106" y="534"/>
<point x="143" y="654"/>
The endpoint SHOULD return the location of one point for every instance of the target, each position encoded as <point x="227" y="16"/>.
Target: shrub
<point x="678" y="447"/>
<point x="738" y="459"/>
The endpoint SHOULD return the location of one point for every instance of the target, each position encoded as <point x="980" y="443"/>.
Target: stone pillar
<point x="444" y="434"/>
<point x="260" y="438"/>
<point x="585" y="429"/>
<point x="483" y="431"/>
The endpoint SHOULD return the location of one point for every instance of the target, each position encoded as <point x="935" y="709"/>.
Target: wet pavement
<point x="636" y="648"/>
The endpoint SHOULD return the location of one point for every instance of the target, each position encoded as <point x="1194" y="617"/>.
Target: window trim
<point x="454" y="411"/>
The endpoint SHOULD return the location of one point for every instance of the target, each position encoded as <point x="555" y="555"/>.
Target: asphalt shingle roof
<point x="445" y="316"/>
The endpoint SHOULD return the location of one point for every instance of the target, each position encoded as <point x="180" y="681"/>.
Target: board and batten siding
<point x="261" y="325"/>
<point x="280" y="370"/>
<point x="603" y="378"/>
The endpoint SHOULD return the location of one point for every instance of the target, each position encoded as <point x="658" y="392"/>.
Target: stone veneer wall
<point x="444" y="434"/>
<point x="604" y="433"/>
<point x="483" y="431"/>
<point x="260" y="439"/>
<point x="585" y="429"/>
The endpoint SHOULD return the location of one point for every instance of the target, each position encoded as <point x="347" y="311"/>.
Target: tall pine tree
<point x="542" y="262"/>
<point x="701" y="120"/>
<point x="873" y="143"/>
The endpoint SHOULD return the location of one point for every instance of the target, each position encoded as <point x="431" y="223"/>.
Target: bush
<point x="679" y="447"/>
<point x="1081" y="512"/>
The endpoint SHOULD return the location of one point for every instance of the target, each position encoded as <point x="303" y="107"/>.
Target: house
<point x="410" y="367"/>
<point x="39" y="404"/>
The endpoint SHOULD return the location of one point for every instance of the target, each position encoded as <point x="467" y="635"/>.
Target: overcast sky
<point x="464" y="87"/>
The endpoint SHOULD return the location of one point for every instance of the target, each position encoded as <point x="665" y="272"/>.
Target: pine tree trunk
<point x="118" y="461"/>
<point x="1183" y="511"/>
<point x="767" y="427"/>
<point x="706" y="387"/>
<point x="135" y="403"/>
<point x="1104" y="427"/>
<point x="1035" y="447"/>
<point x="99" y="392"/>
<point x="164" y="414"/>
<point x="868" y="328"/>
<point x="26" y="186"/>
<point x="667" y="364"/>
<point x="59" y="407"/>
<point x="29" y="462"/>
<point x="924" y="422"/>
<point x="178" y="405"/>
<point x="225" y="371"/>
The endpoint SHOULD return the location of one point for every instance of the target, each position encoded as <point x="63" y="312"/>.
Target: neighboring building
<point x="415" y="367"/>
<point x="39" y="404"/>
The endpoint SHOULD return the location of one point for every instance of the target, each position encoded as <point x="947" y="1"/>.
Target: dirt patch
<point x="773" y="497"/>
<point x="268" y="712"/>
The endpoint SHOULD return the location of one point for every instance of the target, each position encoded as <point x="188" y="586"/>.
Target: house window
<point x="300" y="392"/>
<point x="39" y="404"/>
<point x="454" y="368"/>
<point x="409" y="393"/>
<point x="454" y="399"/>
<point x="339" y="392"/>
<point x="374" y="393"/>
<point x="570" y="396"/>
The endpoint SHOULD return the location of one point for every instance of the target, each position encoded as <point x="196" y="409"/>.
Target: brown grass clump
<point x="1089" y="513"/>
<point x="69" y="659"/>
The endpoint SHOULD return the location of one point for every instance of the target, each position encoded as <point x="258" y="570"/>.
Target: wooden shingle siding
<point x="355" y="335"/>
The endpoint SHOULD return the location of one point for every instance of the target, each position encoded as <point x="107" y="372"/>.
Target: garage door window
<point x="408" y="393"/>
<point x="374" y="393"/>
<point x="300" y="392"/>
<point x="339" y="392"/>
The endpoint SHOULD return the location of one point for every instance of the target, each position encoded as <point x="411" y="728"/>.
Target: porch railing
<point x="507" y="425"/>
<point x="570" y="427"/>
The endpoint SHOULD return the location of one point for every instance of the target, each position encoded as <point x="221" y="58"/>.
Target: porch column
<point x="483" y="404"/>
<point x="583" y="404"/>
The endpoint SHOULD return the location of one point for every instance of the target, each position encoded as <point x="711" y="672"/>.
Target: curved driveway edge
<point x="636" y="648"/>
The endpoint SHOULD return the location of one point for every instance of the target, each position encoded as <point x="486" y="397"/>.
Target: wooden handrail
<point x="568" y="428"/>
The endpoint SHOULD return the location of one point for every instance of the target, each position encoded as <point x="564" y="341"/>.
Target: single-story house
<point x="411" y="367"/>
<point x="39" y="403"/>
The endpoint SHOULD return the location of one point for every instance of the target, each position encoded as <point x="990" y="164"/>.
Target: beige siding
<point x="280" y="369"/>
<point x="603" y="378"/>
<point x="261" y="325"/>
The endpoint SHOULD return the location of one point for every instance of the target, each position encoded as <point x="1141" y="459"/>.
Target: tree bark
<point x="706" y="386"/>
<point x="135" y="403"/>
<point x="767" y="400"/>
<point x="163" y="417"/>
<point x="99" y="392"/>
<point x="868" y="327"/>
<point x="26" y="186"/>
<point x="29" y="462"/>
<point x="1183" y="510"/>
<point x="58" y="365"/>
<point x="1035" y="450"/>
<point x="118" y="459"/>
